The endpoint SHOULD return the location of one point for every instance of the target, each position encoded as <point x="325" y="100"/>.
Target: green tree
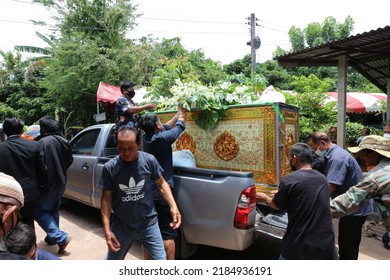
<point x="330" y="29"/>
<point x="175" y="62"/>
<point x="274" y="74"/>
<point x="346" y="28"/>
<point x="315" y="112"/>
<point x="313" y="34"/>
<point x="239" y="66"/>
<point x="278" y="52"/>
<point x="297" y="38"/>
<point x="19" y="96"/>
<point x="208" y="70"/>
<point x="171" y="48"/>
<point x="91" y="47"/>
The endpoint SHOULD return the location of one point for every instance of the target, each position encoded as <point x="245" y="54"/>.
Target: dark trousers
<point x="27" y="212"/>
<point x="350" y="235"/>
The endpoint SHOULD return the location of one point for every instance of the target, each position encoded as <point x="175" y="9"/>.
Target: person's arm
<point x="262" y="197"/>
<point x="68" y="156"/>
<point x="349" y="202"/>
<point x="138" y="109"/>
<point x="171" y="123"/>
<point x="166" y="193"/>
<point x="41" y="165"/>
<point x="178" y="116"/>
<point x="336" y="173"/>
<point x="105" y="211"/>
<point x="332" y="187"/>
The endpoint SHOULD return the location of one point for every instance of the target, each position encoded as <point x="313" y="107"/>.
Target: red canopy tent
<point x="361" y="102"/>
<point x="107" y="95"/>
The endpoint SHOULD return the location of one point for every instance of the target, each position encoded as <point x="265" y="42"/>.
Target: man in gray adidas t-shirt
<point x="126" y="184"/>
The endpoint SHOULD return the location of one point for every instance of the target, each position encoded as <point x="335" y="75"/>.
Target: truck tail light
<point x="246" y="205"/>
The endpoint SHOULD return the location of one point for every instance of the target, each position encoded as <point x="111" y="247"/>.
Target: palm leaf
<point x="45" y="39"/>
<point x="35" y="50"/>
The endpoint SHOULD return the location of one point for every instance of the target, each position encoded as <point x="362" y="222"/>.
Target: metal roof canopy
<point x="368" y="53"/>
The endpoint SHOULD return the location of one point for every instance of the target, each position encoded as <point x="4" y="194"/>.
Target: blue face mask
<point x="320" y="153"/>
<point x="386" y="135"/>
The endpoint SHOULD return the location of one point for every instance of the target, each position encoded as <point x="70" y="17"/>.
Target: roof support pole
<point x="342" y="100"/>
<point x="388" y="100"/>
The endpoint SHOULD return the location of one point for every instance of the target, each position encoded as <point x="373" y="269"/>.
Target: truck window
<point x="85" y="143"/>
<point x="111" y="149"/>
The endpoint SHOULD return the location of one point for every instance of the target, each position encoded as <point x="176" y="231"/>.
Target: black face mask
<point x="293" y="168"/>
<point x="131" y="94"/>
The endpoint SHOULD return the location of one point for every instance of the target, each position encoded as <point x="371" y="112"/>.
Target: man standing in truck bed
<point x="126" y="111"/>
<point x="158" y="140"/>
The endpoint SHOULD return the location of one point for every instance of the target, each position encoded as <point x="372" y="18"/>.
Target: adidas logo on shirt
<point x="132" y="190"/>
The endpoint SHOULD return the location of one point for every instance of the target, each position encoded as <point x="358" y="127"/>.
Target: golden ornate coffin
<point x="252" y="138"/>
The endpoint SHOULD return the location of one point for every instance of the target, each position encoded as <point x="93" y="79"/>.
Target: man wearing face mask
<point x="304" y="194"/>
<point x="126" y="110"/>
<point x="342" y="172"/>
<point x="319" y="161"/>
<point x="386" y="129"/>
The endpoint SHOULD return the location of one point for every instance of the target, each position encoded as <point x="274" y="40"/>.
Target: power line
<point x="274" y="29"/>
<point x="193" y="16"/>
<point x="188" y="32"/>
<point x="186" y="20"/>
<point x="25" y="2"/>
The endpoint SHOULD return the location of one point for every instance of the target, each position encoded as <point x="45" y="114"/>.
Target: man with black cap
<point x="58" y="158"/>
<point x="11" y="200"/>
<point x="375" y="152"/>
<point x="126" y="110"/>
<point x="23" y="160"/>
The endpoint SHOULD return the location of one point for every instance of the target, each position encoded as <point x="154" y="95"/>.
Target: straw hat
<point x="379" y="144"/>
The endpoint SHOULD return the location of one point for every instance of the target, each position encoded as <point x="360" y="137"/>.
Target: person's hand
<point x="176" y="217"/>
<point x="261" y="197"/>
<point x="113" y="243"/>
<point x="180" y="108"/>
<point x="180" y="116"/>
<point x="151" y="106"/>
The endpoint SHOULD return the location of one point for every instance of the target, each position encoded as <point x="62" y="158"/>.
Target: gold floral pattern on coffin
<point x="226" y="146"/>
<point x="186" y="142"/>
<point x="255" y="130"/>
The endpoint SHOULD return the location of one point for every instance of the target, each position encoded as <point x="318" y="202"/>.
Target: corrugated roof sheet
<point x="368" y="53"/>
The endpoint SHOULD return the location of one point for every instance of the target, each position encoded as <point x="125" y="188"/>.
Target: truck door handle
<point x="85" y="166"/>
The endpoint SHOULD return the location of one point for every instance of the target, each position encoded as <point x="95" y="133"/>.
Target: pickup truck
<point x="218" y="207"/>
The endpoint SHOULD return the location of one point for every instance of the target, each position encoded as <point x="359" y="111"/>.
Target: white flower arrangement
<point x="211" y="100"/>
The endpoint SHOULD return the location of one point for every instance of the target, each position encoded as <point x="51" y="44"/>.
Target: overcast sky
<point x="218" y="27"/>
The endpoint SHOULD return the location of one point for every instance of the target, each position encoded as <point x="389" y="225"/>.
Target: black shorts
<point x="164" y="219"/>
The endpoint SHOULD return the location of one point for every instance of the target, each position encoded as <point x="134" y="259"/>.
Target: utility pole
<point x="254" y="42"/>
